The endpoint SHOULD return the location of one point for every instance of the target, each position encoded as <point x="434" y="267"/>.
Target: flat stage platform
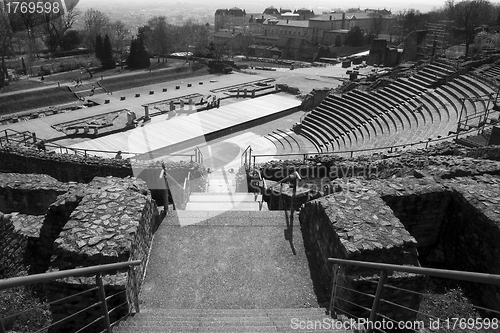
<point x="160" y="138"/>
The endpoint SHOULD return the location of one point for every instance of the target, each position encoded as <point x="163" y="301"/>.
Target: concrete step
<point x="225" y="206"/>
<point x="229" y="320"/>
<point x="224" y="197"/>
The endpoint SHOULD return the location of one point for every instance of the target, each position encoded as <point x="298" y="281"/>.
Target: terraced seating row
<point x="492" y="71"/>
<point x="401" y="113"/>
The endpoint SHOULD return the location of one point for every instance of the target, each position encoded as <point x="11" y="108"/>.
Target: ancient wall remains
<point x="75" y="168"/>
<point x="355" y="225"/>
<point x="108" y="220"/>
<point x="28" y="194"/>
<point x="454" y="223"/>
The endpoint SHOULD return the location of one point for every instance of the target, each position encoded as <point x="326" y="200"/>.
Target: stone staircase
<point x="229" y="320"/>
<point x="222" y="196"/>
<point x="226" y="202"/>
<point x="227" y="271"/>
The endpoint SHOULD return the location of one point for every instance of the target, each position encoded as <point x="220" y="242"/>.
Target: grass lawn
<point x="35" y="99"/>
<point x="20" y="85"/>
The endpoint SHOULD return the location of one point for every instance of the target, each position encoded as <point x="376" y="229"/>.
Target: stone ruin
<point x="51" y="225"/>
<point x="436" y="209"/>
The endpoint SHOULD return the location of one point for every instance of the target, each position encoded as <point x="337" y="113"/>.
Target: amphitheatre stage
<point x="163" y="137"/>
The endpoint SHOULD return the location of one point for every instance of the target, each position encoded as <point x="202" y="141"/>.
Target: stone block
<point x="28" y="193"/>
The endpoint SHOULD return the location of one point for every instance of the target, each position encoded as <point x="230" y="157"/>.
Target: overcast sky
<point x="260" y="5"/>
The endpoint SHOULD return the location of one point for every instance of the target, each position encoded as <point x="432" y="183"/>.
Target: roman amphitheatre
<point x="231" y="192"/>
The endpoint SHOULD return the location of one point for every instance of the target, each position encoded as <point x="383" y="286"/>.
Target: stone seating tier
<point x="318" y="134"/>
<point x="330" y="128"/>
<point x="317" y="125"/>
<point x="357" y="117"/>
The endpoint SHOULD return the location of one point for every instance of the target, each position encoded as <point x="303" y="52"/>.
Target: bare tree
<point x="56" y="27"/>
<point x="95" y="23"/>
<point x="470" y="15"/>
<point x="159" y="40"/>
<point x="119" y="35"/>
<point x="5" y="44"/>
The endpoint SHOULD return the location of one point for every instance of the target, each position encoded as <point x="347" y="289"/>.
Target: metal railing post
<point x="376" y="300"/>
<point x="336" y="269"/>
<point x="136" y="289"/>
<point x="280" y="203"/>
<point x="2" y="329"/>
<point x="104" y="305"/>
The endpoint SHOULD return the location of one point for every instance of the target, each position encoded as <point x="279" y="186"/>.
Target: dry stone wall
<point x="469" y="239"/>
<point x="455" y="224"/>
<point x="13" y="247"/>
<point x="358" y="225"/>
<point x="74" y="168"/>
<point x="28" y="194"/>
<point x="107" y="220"/>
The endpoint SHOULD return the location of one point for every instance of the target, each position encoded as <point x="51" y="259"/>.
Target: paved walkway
<point x="43" y="126"/>
<point x="157" y="137"/>
<point x="232" y="260"/>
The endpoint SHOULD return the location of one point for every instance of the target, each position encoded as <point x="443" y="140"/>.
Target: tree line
<point x="21" y="33"/>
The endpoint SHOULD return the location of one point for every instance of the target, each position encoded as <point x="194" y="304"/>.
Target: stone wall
<point x="355" y="225"/>
<point x="108" y="220"/>
<point x="113" y="222"/>
<point x="421" y="205"/>
<point x="74" y="168"/>
<point x="470" y="237"/>
<point x="314" y="98"/>
<point x="28" y="194"/>
<point x="13" y="249"/>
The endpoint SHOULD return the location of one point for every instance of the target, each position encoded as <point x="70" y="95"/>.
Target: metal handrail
<point x="442" y="273"/>
<point x="97" y="270"/>
<point x="47" y="277"/>
<point x="248" y="160"/>
<point x="385" y="268"/>
<point x="171" y="182"/>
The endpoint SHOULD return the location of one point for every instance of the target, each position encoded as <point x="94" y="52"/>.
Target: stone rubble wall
<point x="28" y="194"/>
<point x="457" y="220"/>
<point x="470" y="236"/>
<point x="56" y="218"/>
<point x="113" y="222"/>
<point x="355" y="225"/>
<point x="75" y="168"/>
<point x="421" y="206"/>
<point x="108" y="220"/>
<point x="13" y="249"/>
<point x="314" y="98"/>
